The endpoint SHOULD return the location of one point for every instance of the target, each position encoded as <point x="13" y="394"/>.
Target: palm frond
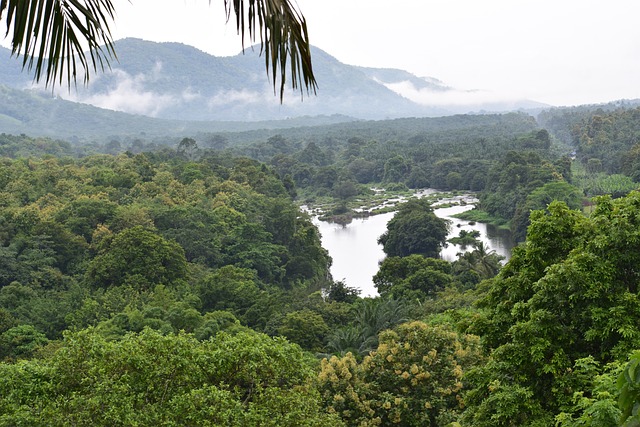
<point x="61" y="38"/>
<point x="283" y="35"/>
<point x="51" y="36"/>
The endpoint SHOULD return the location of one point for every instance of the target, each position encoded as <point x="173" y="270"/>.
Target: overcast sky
<point x="561" y="52"/>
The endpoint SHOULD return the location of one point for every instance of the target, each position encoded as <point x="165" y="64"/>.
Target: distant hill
<point x="179" y="82"/>
<point x="39" y="113"/>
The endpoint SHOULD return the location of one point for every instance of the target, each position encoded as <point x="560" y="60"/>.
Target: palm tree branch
<point x="283" y="35"/>
<point x="52" y="35"/>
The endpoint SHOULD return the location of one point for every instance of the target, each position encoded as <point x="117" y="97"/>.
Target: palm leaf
<point x="61" y="38"/>
<point x="283" y="35"/>
<point x="51" y="36"/>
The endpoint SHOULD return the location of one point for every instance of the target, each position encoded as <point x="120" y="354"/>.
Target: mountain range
<point x="170" y="86"/>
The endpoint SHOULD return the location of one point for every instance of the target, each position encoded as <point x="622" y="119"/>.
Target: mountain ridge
<point x="180" y="82"/>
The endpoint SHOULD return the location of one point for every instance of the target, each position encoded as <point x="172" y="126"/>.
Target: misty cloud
<point x="130" y="95"/>
<point x="234" y="96"/>
<point x="449" y="97"/>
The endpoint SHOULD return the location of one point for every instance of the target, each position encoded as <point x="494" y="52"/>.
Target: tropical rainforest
<point x="179" y="283"/>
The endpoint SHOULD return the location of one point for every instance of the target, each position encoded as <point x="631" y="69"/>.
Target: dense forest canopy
<point x="145" y="283"/>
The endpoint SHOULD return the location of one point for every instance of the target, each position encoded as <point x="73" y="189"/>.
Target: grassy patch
<point x="482" y="216"/>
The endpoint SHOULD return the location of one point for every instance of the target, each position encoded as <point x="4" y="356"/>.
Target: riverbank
<point x="353" y="245"/>
<point x="379" y="201"/>
<point x="483" y="217"/>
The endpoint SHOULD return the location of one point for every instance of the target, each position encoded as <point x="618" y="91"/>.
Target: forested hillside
<point x="179" y="283"/>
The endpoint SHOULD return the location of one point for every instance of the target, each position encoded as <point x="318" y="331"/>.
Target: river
<point x="356" y="253"/>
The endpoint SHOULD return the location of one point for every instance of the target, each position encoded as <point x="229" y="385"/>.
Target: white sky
<point x="562" y="52"/>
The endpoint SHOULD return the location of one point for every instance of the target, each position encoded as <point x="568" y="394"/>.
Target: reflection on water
<point x="355" y="250"/>
<point x="356" y="253"/>
<point x="493" y="238"/>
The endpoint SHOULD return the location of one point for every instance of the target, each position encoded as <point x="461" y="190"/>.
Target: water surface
<point x="356" y="253"/>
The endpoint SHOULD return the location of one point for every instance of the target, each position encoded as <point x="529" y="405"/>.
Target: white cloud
<point x="449" y="97"/>
<point x="129" y="94"/>
<point x="228" y="96"/>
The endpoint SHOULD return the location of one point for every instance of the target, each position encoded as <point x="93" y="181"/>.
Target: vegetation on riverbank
<point x="478" y="215"/>
<point x="150" y="288"/>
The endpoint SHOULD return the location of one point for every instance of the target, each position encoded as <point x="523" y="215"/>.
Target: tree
<point x="340" y="292"/>
<point x="139" y="257"/>
<point x="570" y="292"/>
<point x="415" y="229"/>
<point x="305" y="328"/>
<point x="539" y="199"/>
<point x="412" y="277"/>
<point x="413" y="378"/>
<point x="188" y="148"/>
<point x="60" y="29"/>
<point x="485" y="264"/>
<point x="229" y="288"/>
<point x="146" y="379"/>
<point x="21" y="342"/>
<point x="371" y="317"/>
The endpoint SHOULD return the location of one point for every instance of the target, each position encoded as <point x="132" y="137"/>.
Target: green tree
<point x="596" y="405"/>
<point x="229" y="288"/>
<point x="540" y="199"/>
<point x="371" y="317"/>
<point x="396" y="169"/>
<point x="414" y="229"/>
<point x="305" y="328"/>
<point x="188" y="148"/>
<point x="570" y="292"/>
<point x="339" y="291"/>
<point x="412" y="378"/>
<point x="139" y="257"/>
<point x="486" y="264"/>
<point x="629" y="388"/>
<point x="21" y="342"/>
<point x="413" y="277"/>
<point x="247" y="379"/>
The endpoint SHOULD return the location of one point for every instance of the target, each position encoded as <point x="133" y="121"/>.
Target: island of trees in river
<point x="180" y="284"/>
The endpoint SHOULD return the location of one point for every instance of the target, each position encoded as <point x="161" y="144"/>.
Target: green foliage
<point x="540" y="198"/>
<point x="229" y="288"/>
<point x="94" y="241"/>
<point x="413" y="277"/>
<point x="305" y="328"/>
<point x="609" y="137"/>
<point x="149" y="379"/>
<point x="415" y="229"/>
<point x="598" y="184"/>
<point x="479" y="264"/>
<point x="596" y="405"/>
<point x="339" y="291"/>
<point x="20" y="342"/>
<point x="466" y="238"/>
<point x="570" y="292"/>
<point x="413" y="378"/>
<point x="139" y="257"/>
<point x="523" y="181"/>
<point x="372" y="316"/>
<point x="629" y="388"/>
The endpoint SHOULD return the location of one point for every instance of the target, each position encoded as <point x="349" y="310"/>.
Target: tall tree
<point x="60" y="30"/>
<point x="415" y="229"/>
<point x="569" y="293"/>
